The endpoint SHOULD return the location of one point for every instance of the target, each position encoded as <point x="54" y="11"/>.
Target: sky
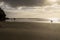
<point x="31" y="8"/>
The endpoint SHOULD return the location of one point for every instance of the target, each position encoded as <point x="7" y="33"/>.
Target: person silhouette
<point x="2" y="18"/>
<point x="2" y="15"/>
<point x="51" y="21"/>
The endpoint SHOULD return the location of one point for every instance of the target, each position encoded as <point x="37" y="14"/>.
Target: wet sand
<point x="29" y="31"/>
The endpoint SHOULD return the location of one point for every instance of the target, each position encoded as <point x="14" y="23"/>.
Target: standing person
<point x="2" y="18"/>
<point x="2" y="15"/>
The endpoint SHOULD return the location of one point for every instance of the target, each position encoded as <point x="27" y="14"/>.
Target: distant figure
<point x="14" y="19"/>
<point x="2" y="15"/>
<point x="51" y="21"/>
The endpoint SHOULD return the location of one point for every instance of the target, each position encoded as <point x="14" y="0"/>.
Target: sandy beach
<point x="29" y="31"/>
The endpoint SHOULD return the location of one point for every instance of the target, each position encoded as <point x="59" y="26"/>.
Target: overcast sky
<point x="30" y="8"/>
<point x="16" y="3"/>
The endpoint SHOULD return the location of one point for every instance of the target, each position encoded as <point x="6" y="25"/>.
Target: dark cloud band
<point x="16" y="3"/>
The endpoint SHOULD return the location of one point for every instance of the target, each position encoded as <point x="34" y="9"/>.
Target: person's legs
<point x="1" y="25"/>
